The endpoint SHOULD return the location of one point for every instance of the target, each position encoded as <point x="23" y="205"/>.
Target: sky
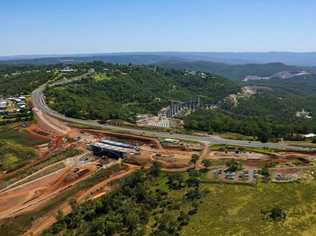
<point x="98" y="26"/>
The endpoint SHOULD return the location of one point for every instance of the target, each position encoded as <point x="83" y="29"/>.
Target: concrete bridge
<point x="176" y="107"/>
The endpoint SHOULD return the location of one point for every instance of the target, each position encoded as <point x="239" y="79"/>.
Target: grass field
<point x="13" y="155"/>
<point x="238" y="210"/>
<point x="236" y="136"/>
<point x="22" y="173"/>
<point x="10" y="133"/>
<point x="16" y="147"/>
<point x="100" y="76"/>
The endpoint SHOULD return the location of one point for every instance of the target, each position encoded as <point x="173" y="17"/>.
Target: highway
<point x="39" y="103"/>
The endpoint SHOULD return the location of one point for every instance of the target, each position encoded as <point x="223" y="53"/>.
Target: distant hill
<point x="289" y="58"/>
<point x="76" y="59"/>
<point x="302" y="86"/>
<point x="237" y="72"/>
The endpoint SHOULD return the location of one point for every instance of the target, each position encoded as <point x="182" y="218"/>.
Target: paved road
<point x="39" y="103"/>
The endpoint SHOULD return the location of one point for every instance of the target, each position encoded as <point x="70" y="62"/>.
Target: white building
<point x="67" y="69"/>
<point x="311" y="135"/>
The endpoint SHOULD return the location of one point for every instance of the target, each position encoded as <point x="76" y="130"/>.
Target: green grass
<point x="21" y="137"/>
<point x="263" y="150"/>
<point x="236" y="136"/>
<point x="237" y="210"/>
<point x="9" y="161"/>
<point x="100" y="76"/>
<point x="13" y="155"/>
<point x="301" y="143"/>
<point x="20" y="174"/>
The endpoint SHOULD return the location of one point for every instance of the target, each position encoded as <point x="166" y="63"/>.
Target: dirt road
<point x="32" y="195"/>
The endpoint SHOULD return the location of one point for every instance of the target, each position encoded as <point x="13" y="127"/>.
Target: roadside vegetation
<point x="236" y="136"/>
<point x="234" y="148"/>
<point x="304" y="143"/>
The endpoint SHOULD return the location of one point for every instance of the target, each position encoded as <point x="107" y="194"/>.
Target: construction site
<point x="52" y="174"/>
<point x="103" y="157"/>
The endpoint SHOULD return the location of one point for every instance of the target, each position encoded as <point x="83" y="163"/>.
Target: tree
<point x="193" y="182"/>
<point x="194" y="158"/>
<point x="183" y="218"/>
<point x="233" y="165"/>
<point x="73" y="204"/>
<point x="265" y="172"/>
<point x="132" y="220"/>
<point x="59" y="215"/>
<point x="263" y="137"/>
<point x="168" y="222"/>
<point x="206" y="163"/>
<point x="175" y="181"/>
<point x="155" y="169"/>
<point x="193" y="194"/>
<point x="194" y="173"/>
<point x="276" y="214"/>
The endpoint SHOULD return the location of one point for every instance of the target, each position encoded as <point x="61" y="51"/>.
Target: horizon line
<point x="41" y="55"/>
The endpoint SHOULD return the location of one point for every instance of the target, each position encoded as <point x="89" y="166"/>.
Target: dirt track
<point x="205" y="152"/>
<point x="31" y="195"/>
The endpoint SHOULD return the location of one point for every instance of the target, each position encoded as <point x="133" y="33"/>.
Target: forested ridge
<point x="124" y="91"/>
